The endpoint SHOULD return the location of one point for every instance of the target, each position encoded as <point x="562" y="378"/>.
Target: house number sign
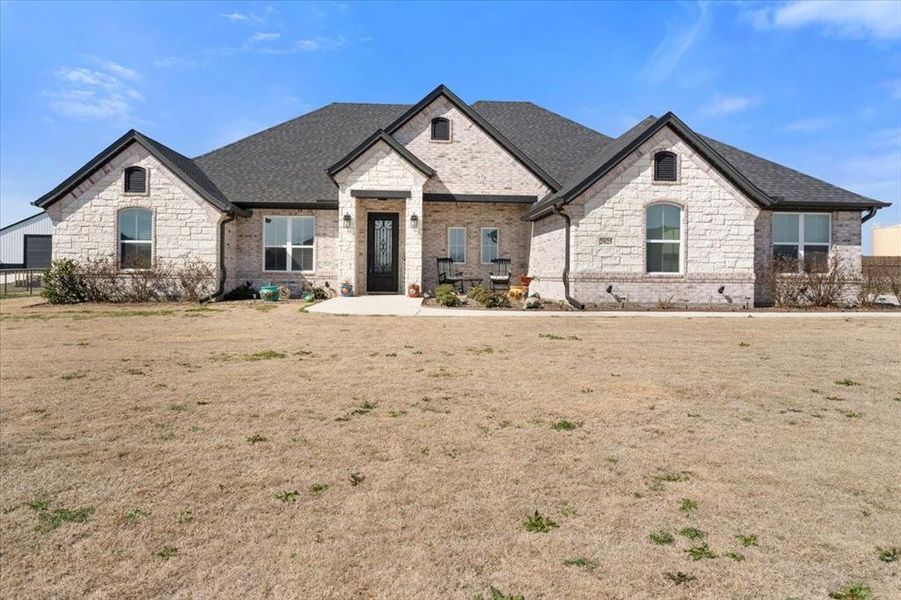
<point x="605" y="241"/>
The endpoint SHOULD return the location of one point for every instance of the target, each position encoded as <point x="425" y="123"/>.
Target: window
<point x="664" y="238"/>
<point x="801" y="241"/>
<point x="664" y="166"/>
<point x="135" y="238"/>
<point x="456" y="244"/>
<point x="440" y="129"/>
<point x="135" y="180"/>
<point x="489" y="244"/>
<point x="288" y="243"/>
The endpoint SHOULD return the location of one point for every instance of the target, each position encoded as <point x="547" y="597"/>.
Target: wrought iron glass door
<point x="381" y="253"/>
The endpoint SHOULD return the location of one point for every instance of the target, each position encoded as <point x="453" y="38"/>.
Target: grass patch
<point x="747" y="540"/>
<point x="177" y="407"/>
<point x="167" y="552"/>
<point x="496" y="594"/>
<point x="687" y="505"/>
<point x="672" y="476"/>
<point x="287" y="495"/>
<point x="552" y="336"/>
<point x="888" y="555"/>
<point x="264" y="355"/>
<point x="185" y="516"/>
<point x="581" y="562"/>
<point x="847" y="382"/>
<point x="318" y="488"/>
<point x="356" y="479"/>
<point x="679" y="578"/>
<point x="699" y="552"/>
<point x="563" y="425"/>
<point x="662" y="538"/>
<point x="851" y="414"/>
<point x="853" y="591"/>
<point x="735" y="556"/>
<point x="133" y="516"/>
<point x="538" y="523"/>
<point x="73" y="375"/>
<point x="49" y="520"/>
<point x="693" y="533"/>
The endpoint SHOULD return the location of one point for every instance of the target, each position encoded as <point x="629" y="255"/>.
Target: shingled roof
<point x="286" y="165"/>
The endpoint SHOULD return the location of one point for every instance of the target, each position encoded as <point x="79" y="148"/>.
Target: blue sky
<point x="813" y="85"/>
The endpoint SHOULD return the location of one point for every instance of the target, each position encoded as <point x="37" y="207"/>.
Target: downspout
<point x="575" y="303"/>
<point x="871" y="212"/>
<point x="220" y="289"/>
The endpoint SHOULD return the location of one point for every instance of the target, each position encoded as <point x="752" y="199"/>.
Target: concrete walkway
<point x="403" y="306"/>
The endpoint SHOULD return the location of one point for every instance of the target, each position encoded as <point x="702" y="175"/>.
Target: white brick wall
<point x="471" y="163"/>
<point x="185" y="226"/>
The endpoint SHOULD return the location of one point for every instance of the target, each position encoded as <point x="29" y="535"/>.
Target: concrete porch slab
<point x="369" y="305"/>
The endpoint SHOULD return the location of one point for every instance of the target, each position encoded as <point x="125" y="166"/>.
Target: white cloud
<point x="169" y="62"/>
<point x="95" y="93"/>
<point x="306" y="45"/>
<point x="722" y="106"/>
<point x="878" y="19"/>
<point x="810" y="125"/>
<point x="235" y="17"/>
<point x="265" y="37"/>
<point x="678" y="40"/>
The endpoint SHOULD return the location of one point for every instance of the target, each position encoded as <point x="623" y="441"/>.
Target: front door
<point x="381" y="253"/>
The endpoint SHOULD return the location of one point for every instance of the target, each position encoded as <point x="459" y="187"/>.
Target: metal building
<point x="26" y="244"/>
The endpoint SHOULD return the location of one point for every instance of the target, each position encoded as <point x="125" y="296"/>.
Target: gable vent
<point x="135" y="180"/>
<point x="440" y="129"/>
<point x="664" y="166"/>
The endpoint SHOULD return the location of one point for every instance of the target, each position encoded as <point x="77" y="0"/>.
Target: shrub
<point x="496" y="301"/>
<point x="63" y="284"/>
<point x="478" y="293"/>
<point x="445" y="296"/>
<point x="196" y="280"/>
<point x="320" y="293"/>
<point x="818" y="285"/>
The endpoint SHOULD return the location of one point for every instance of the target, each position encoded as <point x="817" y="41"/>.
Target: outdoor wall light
<point x="721" y="290"/>
<point x="414" y="220"/>
<point x="347" y="220"/>
<point x="609" y="289"/>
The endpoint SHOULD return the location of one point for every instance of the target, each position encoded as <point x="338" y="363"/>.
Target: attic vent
<point x="440" y="129"/>
<point x="135" y="180"/>
<point x="664" y="166"/>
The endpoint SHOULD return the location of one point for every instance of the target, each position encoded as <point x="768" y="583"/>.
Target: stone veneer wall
<point x="513" y="237"/>
<point x="718" y="233"/>
<point x="247" y="264"/>
<point x="546" y="257"/>
<point x="185" y="226"/>
<point x="471" y="162"/>
<point x="379" y="168"/>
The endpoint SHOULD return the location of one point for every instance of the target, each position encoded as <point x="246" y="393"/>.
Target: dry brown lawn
<point x="165" y="452"/>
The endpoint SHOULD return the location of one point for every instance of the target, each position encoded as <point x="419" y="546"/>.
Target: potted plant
<point x="347" y="289"/>
<point x="413" y="290"/>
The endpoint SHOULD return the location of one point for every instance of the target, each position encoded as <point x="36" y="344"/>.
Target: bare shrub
<point x="819" y="284"/>
<point x="196" y="280"/>
<point x="101" y="280"/>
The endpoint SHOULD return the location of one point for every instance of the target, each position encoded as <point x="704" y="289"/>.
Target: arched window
<point x="440" y="129"/>
<point x="135" y="180"/>
<point x="135" y="238"/>
<point x="663" y="239"/>
<point x="664" y="166"/>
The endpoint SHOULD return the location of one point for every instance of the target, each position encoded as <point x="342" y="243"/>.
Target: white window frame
<point x="482" y="245"/>
<point x="801" y="242"/>
<point x="680" y="241"/>
<point x="449" y="253"/>
<point x="120" y="241"/>
<point x="288" y="246"/>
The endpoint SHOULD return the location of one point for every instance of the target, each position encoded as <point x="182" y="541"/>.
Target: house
<point x="26" y="244"/>
<point x="373" y="194"/>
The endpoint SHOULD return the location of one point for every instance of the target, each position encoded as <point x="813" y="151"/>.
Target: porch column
<point x="413" y="238"/>
<point x="347" y="243"/>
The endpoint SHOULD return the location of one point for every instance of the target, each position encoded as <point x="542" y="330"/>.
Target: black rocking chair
<point x="447" y="274"/>
<point x="500" y="274"/>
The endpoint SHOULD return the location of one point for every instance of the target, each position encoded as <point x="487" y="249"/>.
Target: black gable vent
<point x="135" y="180"/>
<point x="664" y="166"/>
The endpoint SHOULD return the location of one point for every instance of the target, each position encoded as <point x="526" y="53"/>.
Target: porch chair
<point x="447" y="274"/>
<point x="500" y="274"/>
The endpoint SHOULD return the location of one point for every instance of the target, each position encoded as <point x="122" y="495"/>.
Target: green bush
<point x="445" y="296"/>
<point x="63" y="284"/>
<point x="478" y="293"/>
<point x="496" y="301"/>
